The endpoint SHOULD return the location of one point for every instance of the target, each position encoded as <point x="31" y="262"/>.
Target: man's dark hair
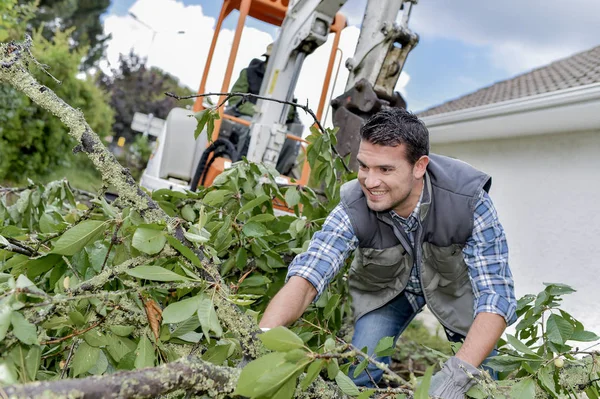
<point x="394" y="126"/>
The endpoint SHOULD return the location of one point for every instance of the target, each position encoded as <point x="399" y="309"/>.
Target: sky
<point x="464" y="45"/>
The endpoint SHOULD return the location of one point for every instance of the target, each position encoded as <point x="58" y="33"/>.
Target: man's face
<point x="388" y="180"/>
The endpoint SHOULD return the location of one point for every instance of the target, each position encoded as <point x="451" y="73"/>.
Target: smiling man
<point x="423" y="230"/>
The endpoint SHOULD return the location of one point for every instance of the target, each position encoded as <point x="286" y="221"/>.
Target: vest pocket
<point x="374" y="269"/>
<point x="449" y="264"/>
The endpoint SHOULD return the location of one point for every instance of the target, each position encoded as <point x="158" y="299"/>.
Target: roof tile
<point x="577" y="70"/>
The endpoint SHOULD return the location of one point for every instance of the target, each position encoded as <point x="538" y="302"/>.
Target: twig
<point x="244" y="96"/>
<point x="17" y="249"/>
<point x="80" y="332"/>
<point x="75" y="272"/>
<point x="113" y="240"/>
<point x="64" y="370"/>
<point x="382" y="366"/>
<point x="389" y="390"/>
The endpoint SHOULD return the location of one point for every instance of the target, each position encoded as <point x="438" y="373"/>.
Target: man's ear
<point x="420" y="167"/>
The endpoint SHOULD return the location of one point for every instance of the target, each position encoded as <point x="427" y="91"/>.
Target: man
<point x="425" y="231"/>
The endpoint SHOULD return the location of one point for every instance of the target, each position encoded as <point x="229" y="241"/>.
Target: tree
<point x="132" y="76"/>
<point x="82" y="17"/>
<point x="32" y="141"/>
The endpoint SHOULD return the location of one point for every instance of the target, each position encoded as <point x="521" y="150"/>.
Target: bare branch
<point x="244" y="96"/>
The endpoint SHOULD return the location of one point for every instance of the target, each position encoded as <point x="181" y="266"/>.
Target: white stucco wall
<point x="547" y="192"/>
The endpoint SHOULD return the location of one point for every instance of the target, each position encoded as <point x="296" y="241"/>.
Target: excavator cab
<point x="179" y="161"/>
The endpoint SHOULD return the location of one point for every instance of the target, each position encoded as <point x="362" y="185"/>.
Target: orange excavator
<point x="179" y="162"/>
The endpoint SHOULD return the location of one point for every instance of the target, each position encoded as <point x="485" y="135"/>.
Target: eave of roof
<point x="568" y="110"/>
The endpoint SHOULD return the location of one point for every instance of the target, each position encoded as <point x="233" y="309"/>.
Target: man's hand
<point x="453" y="380"/>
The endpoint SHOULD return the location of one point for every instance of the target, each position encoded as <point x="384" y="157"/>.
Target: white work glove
<point x="453" y="380"/>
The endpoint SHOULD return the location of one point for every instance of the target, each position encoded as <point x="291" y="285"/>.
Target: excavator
<point x="179" y="162"/>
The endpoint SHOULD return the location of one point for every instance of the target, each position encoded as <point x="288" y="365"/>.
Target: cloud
<point x="519" y="35"/>
<point x="184" y="55"/>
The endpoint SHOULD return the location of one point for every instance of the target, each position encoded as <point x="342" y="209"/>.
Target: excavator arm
<point x="381" y="51"/>
<point x="380" y="54"/>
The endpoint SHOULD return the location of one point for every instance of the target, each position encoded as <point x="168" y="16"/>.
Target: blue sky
<point x="464" y="45"/>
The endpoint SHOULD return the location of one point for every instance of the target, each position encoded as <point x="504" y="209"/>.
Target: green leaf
<point x="202" y="117"/>
<point x="122" y="331"/>
<point x="385" y="346"/>
<point x="216" y="355"/>
<point x="208" y="318"/>
<point x="256" y="280"/>
<point x="361" y="367"/>
<point x="185" y="251"/>
<point x="216" y="197"/>
<point x="85" y="358"/>
<point x="8" y="374"/>
<point x="527" y="322"/>
<point x="23" y="330"/>
<point x="520" y="346"/>
<point x="149" y="241"/>
<point x="101" y="365"/>
<point x="155" y="273"/>
<point x="292" y="197"/>
<point x="198" y="238"/>
<point x="144" y="353"/>
<point x="524" y="389"/>
<point x="333" y="368"/>
<point x="280" y="381"/>
<point x="312" y="373"/>
<point x="181" y="310"/>
<point x="346" y="384"/>
<point x="246" y="383"/>
<point x="558" y="289"/>
<point x="281" y="339"/>
<point x="33" y="361"/>
<point x="422" y="391"/>
<point x="546" y="379"/>
<point x="188" y="213"/>
<point x="241" y="258"/>
<point x="5" y="316"/>
<point x="366" y="394"/>
<point x="558" y="329"/>
<point x="506" y="363"/>
<point x="118" y="347"/>
<point x="332" y="305"/>
<point x="95" y="338"/>
<point x="584" y="336"/>
<point x="210" y="125"/>
<point x="261" y="218"/>
<point x="524" y="301"/>
<point x="254" y="229"/>
<point x="254" y="203"/>
<point x="77" y="237"/>
<point x="39" y="266"/>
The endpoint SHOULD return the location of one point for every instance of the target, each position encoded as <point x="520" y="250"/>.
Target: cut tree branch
<point x="190" y="375"/>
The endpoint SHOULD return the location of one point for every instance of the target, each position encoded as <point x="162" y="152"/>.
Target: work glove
<point x="453" y="380"/>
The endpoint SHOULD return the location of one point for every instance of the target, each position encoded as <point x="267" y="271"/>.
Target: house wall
<point x="547" y="193"/>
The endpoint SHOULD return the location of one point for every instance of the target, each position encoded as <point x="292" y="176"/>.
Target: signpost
<point x="147" y="124"/>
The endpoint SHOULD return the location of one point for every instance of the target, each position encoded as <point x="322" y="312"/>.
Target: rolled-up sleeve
<point x="328" y="250"/>
<point x="486" y="255"/>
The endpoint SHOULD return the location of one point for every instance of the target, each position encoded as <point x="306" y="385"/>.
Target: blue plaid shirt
<point x="485" y="253"/>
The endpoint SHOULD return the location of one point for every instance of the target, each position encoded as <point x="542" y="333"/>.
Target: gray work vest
<point x="384" y="257"/>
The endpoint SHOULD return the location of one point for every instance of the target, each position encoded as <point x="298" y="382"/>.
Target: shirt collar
<point x="411" y="222"/>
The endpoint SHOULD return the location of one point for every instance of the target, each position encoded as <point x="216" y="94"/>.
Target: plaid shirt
<point x="485" y="253"/>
